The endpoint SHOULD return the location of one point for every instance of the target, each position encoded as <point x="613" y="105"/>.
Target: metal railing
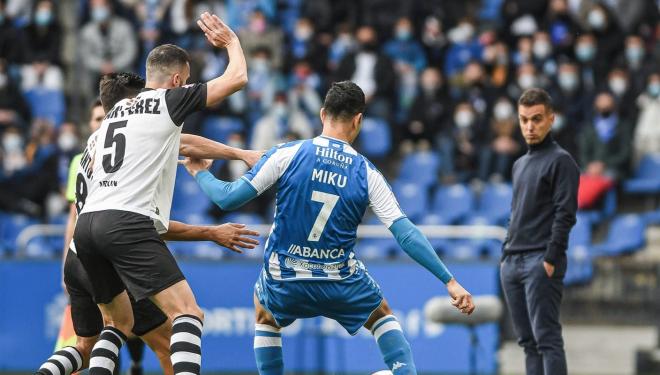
<point x="364" y="231"/>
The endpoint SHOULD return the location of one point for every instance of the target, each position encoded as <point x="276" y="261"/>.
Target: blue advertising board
<point x="31" y="304"/>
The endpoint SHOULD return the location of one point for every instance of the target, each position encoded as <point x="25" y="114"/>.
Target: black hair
<point x="165" y="57"/>
<point x="536" y="96"/>
<point x="114" y="87"/>
<point x="344" y="100"/>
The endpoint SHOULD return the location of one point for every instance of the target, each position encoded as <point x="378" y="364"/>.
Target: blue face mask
<point x="654" y="89"/>
<point x="100" y="14"/>
<point x="585" y="52"/>
<point x="403" y="34"/>
<point x="634" y="54"/>
<point x="568" y="81"/>
<point x="43" y="17"/>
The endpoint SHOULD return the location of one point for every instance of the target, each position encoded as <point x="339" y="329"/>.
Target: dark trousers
<point x="533" y="299"/>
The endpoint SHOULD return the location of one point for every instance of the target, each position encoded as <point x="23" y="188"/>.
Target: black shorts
<point x="122" y="250"/>
<point x="86" y="316"/>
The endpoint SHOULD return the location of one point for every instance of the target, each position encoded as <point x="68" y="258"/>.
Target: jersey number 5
<point x="329" y="201"/>
<point x="110" y="164"/>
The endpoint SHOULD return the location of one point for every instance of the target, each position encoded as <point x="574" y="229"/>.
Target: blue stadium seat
<point x="47" y="104"/>
<point x="647" y="177"/>
<point x="44" y="247"/>
<point x="463" y="250"/>
<point x="199" y="250"/>
<point x="243" y="218"/>
<point x="580" y="268"/>
<point x="421" y="167"/>
<point x="495" y="202"/>
<point x="581" y="232"/>
<point x="626" y="234"/>
<point x="219" y="128"/>
<point x="486" y="246"/>
<point x="375" y="138"/>
<point x="454" y="203"/>
<point x="377" y="248"/>
<point x="188" y="196"/>
<point x="413" y="199"/>
<point x="652" y="217"/>
<point x="13" y="224"/>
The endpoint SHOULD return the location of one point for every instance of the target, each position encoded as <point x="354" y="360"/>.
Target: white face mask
<point x="542" y="49"/>
<point x="526" y="81"/>
<point x="568" y="81"/>
<point x="260" y="65"/>
<point x="559" y="123"/>
<point x="618" y="85"/>
<point x="67" y="141"/>
<point x="463" y="118"/>
<point x="461" y="33"/>
<point x="596" y="19"/>
<point x="279" y="110"/>
<point x="502" y="111"/>
<point x="12" y="142"/>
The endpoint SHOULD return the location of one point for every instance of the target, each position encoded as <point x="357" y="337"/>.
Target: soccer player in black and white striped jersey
<point x="131" y="195"/>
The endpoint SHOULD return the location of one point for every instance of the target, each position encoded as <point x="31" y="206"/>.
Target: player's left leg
<point x="158" y="340"/>
<point x="393" y="345"/>
<point x="267" y="342"/>
<point x="155" y="329"/>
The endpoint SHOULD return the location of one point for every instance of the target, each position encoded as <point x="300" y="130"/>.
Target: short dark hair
<point x="536" y="96"/>
<point x="166" y="57"/>
<point x="117" y="86"/>
<point x="344" y="100"/>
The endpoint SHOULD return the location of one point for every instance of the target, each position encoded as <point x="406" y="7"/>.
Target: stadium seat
<point x="412" y="198"/>
<point x="463" y="250"/>
<point x="375" y="138"/>
<point x="608" y="209"/>
<point x="647" y="177"/>
<point x="376" y="248"/>
<point x="47" y="104"/>
<point x="440" y="245"/>
<point x="454" y="203"/>
<point x="219" y="128"/>
<point x="580" y="269"/>
<point x="581" y="233"/>
<point x="652" y="217"/>
<point x="626" y="234"/>
<point x="44" y="247"/>
<point x="495" y="202"/>
<point x="188" y="196"/>
<point x="421" y="167"/>
<point x="486" y="246"/>
<point x="12" y="225"/>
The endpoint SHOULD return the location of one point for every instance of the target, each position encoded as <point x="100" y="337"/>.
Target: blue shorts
<point x="350" y="301"/>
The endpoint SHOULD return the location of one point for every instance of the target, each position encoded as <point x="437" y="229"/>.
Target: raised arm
<point x="235" y="76"/>
<point x="229" y="235"/>
<point x="411" y="239"/>
<point x="197" y="147"/>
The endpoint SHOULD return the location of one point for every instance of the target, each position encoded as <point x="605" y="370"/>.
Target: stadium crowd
<point x="442" y="76"/>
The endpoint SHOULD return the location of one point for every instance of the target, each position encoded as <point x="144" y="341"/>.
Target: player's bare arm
<point x="197" y="147"/>
<point x="235" y="76"/>
<point x="230" y="235"/>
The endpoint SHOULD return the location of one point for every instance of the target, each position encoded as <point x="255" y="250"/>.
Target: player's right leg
<point x="267" y="331"/>
<point x="393" y="345"/>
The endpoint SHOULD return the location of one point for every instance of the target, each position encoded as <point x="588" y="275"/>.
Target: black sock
<point x="136" y="350"/>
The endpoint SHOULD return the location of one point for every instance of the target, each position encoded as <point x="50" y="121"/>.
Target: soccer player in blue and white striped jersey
<point x="323" y="189"/>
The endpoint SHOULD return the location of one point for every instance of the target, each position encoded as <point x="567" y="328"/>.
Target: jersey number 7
<point x="329" y="201"/>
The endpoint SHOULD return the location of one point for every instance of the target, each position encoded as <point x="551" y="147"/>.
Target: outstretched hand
<point x="193" y="166"/>
<point x="232" y="236"/>
<point x="216" y="31"/>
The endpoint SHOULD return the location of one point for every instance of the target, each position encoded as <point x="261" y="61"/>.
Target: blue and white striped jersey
<point x="323" y="189"/>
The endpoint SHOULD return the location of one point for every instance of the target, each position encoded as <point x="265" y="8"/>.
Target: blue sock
<point x="393" y="346"/>
<point x="268" y="350"/>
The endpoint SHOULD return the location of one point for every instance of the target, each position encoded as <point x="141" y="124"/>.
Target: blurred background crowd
<point x="441" y="79"/>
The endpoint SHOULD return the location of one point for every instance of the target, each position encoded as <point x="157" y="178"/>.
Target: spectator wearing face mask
<point x="279" y="123"/>
<point x="304" y="85"/>
<point x="259" y="34"/>
<point x="463" y="48"/>
<point x="543" y="54"/>
<point x="609" y="36"/>
<point x="9" y="49"/>
<point x="303" y="45"/>
<point x="526" y="78"/>
<point x="504" y="146"/>
<point x="460" y="150"/>
<point x="561" y="27"/>
<point x="590" y="68"/>
<point x="372" y="70"/>
<point x="474" y="88"/>
<point x="434" y="40"/>
<point x="67" y="146"/>
<point x="647" y="132"/>
<point x="265" y="81"/>
<point x="496" y="64"/>
<point x="13" y="154"/>
<point x="430" y="113"/>
<point x="343" y="44"/>
<point x="638" y="62"/>
<point x="41" y="49"/>
<point x="27" y="188"/>
<point x="570" y="97"/>
<point x="618" y="83"/>
<point x="605" y="143"/>
<point x="107" y="43"/>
